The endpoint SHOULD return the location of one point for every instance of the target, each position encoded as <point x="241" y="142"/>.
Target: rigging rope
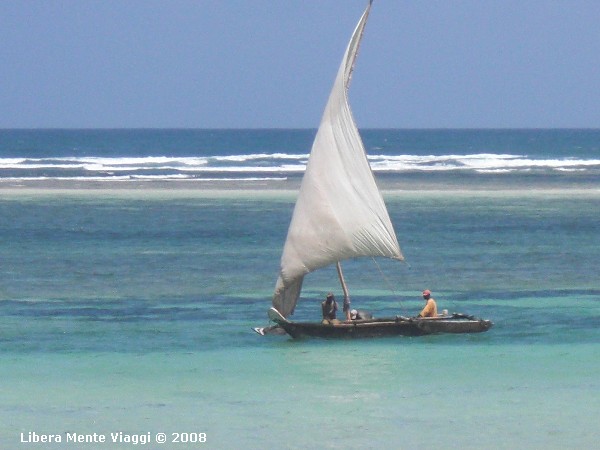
<point x="389" y="284"/>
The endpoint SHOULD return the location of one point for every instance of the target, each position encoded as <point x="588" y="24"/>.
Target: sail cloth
<point x="340" y="212"/>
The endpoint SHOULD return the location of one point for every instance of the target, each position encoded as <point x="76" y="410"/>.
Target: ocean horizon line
<point x="166" y="128"/>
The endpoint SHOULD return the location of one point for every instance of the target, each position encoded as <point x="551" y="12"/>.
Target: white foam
<point x="277" y="163"/>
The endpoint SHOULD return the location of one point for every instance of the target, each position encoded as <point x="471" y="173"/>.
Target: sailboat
<point x="339" y="215"/>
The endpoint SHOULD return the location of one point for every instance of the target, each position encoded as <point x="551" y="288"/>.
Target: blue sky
<point x="271" y="63"/>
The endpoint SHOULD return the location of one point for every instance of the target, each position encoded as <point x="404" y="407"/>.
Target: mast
<point x="345" y="289"/>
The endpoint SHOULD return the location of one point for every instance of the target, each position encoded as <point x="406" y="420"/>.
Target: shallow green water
<point x="134" y="314"/>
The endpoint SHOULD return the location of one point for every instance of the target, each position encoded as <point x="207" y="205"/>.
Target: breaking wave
<point x="263" y="166"/>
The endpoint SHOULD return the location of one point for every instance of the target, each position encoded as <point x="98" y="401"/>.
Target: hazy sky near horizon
<point x="271" y="63"/>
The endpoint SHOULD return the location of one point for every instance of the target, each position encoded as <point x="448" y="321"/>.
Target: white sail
<point x="340" y="212"/>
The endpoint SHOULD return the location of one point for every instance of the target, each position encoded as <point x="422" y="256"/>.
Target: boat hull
<point x="398" y="326"/>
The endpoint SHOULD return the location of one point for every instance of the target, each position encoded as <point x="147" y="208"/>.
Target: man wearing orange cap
<point x="430" y="309"/>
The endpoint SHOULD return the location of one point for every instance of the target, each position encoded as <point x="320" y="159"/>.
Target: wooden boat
<point x="391" y="326"/>
<point x="339" y="215"/>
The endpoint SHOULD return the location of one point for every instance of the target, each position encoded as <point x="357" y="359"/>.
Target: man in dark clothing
<point x="329" y="307"/>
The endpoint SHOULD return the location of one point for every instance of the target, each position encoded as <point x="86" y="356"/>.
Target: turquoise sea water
<point x="131" y="311"/>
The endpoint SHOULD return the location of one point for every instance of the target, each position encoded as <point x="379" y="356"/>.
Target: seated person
<point x="360" y="315"/>
<point x="329" y="308"/>
<point x="430" y="309"/>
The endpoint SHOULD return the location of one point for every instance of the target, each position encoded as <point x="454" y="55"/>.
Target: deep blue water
<point x="536" y="143"/>
<point x="279" y="154"/>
